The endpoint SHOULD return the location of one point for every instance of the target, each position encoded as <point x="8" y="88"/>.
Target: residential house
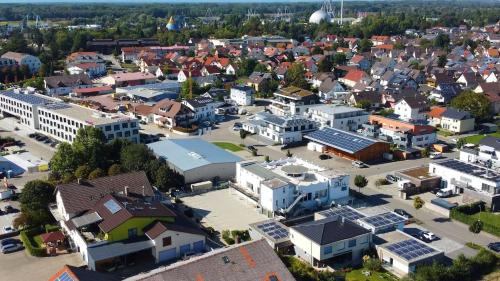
<point x="359" y="61"/>
<point x="257" y="80"/>
<point x="355" y="76"/>
<point x="457" y="121"/>
<point x="242" y="95"/>
<point x="65" y="84"/>
<point x="330" y="240"/>
<point x="289" y="186"/>
<point x="412" y="108"/>
<point x="487" y="153"/>
<point x="92" y="69"/>
<point x="203" y="108"/>
<point x="339" y="116"/>
<point x="129" y="79"/>
<point x="445" y="92"/>
<point x="331" y="89"/>
<point x="31" y="61"/>
<point x="279" y="129"/>
<point x="292" y="101"/>
<point x="372" y="99"/>
<point x="434" y="115"/>
<point x="112" y="217"/>
<point x="84" y="57"/>
<point x="492" y="92"/>
<point x="469" y="80"/>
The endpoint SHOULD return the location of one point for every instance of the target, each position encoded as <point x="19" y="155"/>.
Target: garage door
<point x="198" y="247"/>
<point x="167" y="255"/>
<point x="185" y="249"/>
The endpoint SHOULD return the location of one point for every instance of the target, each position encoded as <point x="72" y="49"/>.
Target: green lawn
<point x="477" y="138"/>
<point x="444" y="133"/>
<point x="357" y="275"/>
<point x="229" y="146"/>
<point x="489" y="218"/>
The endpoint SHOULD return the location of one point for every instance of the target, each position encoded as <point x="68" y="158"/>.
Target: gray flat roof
<point x="117" y="249"/>
<point x="188" y="154"/>
<point x="470" y="169"/>
<point x="334" y="109"/>
<point x="261" y="171"/>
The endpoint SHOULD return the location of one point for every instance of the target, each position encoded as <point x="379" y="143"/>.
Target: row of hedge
<point x="464" y="214"/>
<point x="27" y="236"/>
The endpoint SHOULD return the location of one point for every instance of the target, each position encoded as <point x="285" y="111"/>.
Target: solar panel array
<point x="470" y="169"/>
<point x="65" y="277"/>
<point x="410" y="249"/>
<point x="340" y="139"/>
<point x="56" y="106"/>
<point x="27" y="98"/>
<point x="347" y="213"/>
<point x="384" y="219"/>
<point x="274" y="230"/>
<point x="112" y="206"/>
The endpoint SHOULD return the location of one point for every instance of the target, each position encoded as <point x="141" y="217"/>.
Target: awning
<point x="117" y="249"/>
<point x="86" y="219"/>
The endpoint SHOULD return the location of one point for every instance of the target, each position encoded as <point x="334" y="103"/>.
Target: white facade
<point x="32" y="62"/>
<point x="91" y="71"/>
<point x="62" y="122"/>
<point x="242" y="95"/>
<point x="407" y="113"/>
<point x="22" y="106"/>
<point x="176" y="239"/>
<point x="203" y="108"/>
<point x="339" y="117"/>
<point x="456" y="125"/>
<point x="282" y="185"/>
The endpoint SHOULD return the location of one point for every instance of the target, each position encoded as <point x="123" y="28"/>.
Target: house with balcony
<point x="279" y="129"/>
<point x="111" y="219"/>
<point x="339" y="116"/>
<point x="332" y="240"/>
<point x="291" y="186"/>
<point x="203" y="107"/>
<point x="487" y="153"/>
<point x="292" y="101"/>
<point x="412" y="108"/>
<point x="474" y="181"/>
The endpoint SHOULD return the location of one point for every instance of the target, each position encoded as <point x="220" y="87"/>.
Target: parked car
<point x="251" y="148"/>
<point x="443" y="193"/>
<point x="9" y="209"/>
<point x="9" y="248"/>
<point x="427" y="236"/>
<point x="435" y="155"/>
<point x="435" y="190"/>
<point x="359" y="164"/>
<point x="236" y="127"/>
<point x="391" y="178"/>
<point x="325" y="157"/>
<point x="7" y="241"/>
<point x="495" y="246"/>
<point x="8" y="229"/>
<point x="403" y="213"/>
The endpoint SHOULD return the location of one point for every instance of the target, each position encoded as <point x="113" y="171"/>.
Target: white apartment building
<point x="23" y="106"/>
<point x="203" y="107"/>
<point x="487" y="152"/>
<point x="62" y="122"/>
<point x="339" y="117"/>
<point x="474" y="181"/>
<point x="292" y="101"/>
<point x="279" y="129"/>
<point x="242" y="95"/>
<point x="289" y="186"/>
<point x="411" y="108"/>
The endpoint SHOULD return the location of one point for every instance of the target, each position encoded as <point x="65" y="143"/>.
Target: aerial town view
<point x="267" y="140"/>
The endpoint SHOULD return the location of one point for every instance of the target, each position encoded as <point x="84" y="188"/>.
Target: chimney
<point x="79" y="180"/>
<point x="126" y="190"/>
<point x="143" y="191"/>
<point x="343" y="220"/>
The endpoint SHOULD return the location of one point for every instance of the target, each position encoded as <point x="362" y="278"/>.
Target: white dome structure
<point x="318" y="16"/>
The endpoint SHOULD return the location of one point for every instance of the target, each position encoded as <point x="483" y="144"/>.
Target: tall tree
<point x="89" y="144"/>
<point x="65" y="159"/>
<point x="295" y="76"/>
<point x="34" y="199"/>
<point x="477" y="104"/>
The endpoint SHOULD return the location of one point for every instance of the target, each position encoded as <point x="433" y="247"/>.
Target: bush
<point x="26" y="237"/>
<point x="465" y="214"/>
<point x="226" y="236"/>
<point x="380" y="182"/>
<point x="372" y="264"/>
<point x="51" y="228"/>
<point x="97" y="173"/>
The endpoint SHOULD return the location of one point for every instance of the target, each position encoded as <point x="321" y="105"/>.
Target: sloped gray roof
<point x="330" y="230"/>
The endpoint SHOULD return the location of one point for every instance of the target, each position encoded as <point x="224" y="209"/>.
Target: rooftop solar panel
<point x="65" y="277"/>
<point x="384" y="219"/>
<point x="345" y="212"/>
<point x="273" y="229"/>
<point x="26" y="98"/>
<point x="339" y="139"/>
<point x="410" y="249"/>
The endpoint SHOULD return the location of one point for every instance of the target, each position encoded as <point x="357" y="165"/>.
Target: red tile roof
<point x="52" y="236"/>
<point x="436" y="112"/>
<point x="354" y="75"/>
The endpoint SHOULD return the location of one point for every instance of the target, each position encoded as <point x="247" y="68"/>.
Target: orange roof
<point x="354" y="75"/>
<point x="385" y="46"/>
<point x="493" y="53"/>
<point x="52" y="236"/>
<point x="436" y="112"/>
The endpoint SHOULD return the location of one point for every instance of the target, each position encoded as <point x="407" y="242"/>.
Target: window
<point x="132" y="232"/>
<point x="167" y="241"/>
<point x="327" y="250"/>
<point x="124" y="125"/>
<point x="116" y="127"/>
<point x="107" y="128"/>
<point x="352" y="243"/>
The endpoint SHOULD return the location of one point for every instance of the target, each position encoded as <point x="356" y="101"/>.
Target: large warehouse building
<point x="197" y="160"/>
<point x="347" y="145"/>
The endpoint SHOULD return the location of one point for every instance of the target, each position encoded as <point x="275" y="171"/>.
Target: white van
<point x="435" y="155"/>
<point x="443" y="193"/>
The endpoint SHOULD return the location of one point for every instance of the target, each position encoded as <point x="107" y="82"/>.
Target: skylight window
<point x="112" y="206"/>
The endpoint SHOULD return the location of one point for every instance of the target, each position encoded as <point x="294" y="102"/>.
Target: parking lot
<point x="223" y="209"/>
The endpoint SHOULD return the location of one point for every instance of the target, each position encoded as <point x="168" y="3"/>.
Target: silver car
<point x="359" y="164"/>
<point x="9" y="248"/>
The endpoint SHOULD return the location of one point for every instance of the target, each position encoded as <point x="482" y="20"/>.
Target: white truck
<point x="443" y="193"/>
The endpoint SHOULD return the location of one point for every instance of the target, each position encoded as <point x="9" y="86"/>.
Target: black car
<point x="495" y="246"/>
<point x="403" y="213"/>
<point x="251" y="148"/>
<point x="391" y="178"/>
<point x="325" y="157"/>
<point x="9" y="209"/>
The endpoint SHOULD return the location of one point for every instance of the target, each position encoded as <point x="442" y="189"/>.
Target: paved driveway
<point x="223" y="209"/>
<point x="21" y="266"/>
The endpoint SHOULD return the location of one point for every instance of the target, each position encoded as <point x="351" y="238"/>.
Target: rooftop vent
<point x="226" y="259"/>
<point x="195" y="155"/>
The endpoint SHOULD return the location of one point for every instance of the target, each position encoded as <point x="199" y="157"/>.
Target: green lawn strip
<point x="477" y="138"/>
<point x="229" y="146"/>
<point x="357" y="275"/>
<point x="37" y="241"/>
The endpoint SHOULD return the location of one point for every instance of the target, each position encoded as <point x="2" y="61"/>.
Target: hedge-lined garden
<point x="470" y="213"/>
<point x="31" y="246"/>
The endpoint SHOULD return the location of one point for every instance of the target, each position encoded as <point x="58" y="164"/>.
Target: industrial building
<point x="197" y="160"/>
<point x="347" y="145"/>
